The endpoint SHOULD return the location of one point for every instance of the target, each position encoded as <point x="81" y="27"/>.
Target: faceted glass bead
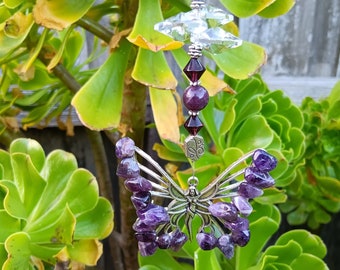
<point x="178" y="239"/>
<point x="141" y="199"/>
<point x="146" y="236"/>
<point x="226" y="211"/>
<point x="147" y="248"/>
<point x="154" y="215"/>
<point x="240" y="238"/>
<point x="249" y="191"/>
<point x="225" y="244"/>
<point x="206" y="241"/>
<point x="125" y="148"/>
<point x="128" y="168"/>
<point x="164" y="241"/>
<point x="138" y="183"/>
<point x="257" y="178"/>
<point x="195" y="98"/>
<point x="243" y="206"/>
<point x="193" y="125"/>
<point x="194" y="70"/>
<point x="263" y="161"/>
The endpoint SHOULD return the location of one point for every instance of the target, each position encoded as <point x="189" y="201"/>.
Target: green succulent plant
<point x="50" y="210"/>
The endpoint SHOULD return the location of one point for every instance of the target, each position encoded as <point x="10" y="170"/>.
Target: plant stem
<point x="95" y="28"/>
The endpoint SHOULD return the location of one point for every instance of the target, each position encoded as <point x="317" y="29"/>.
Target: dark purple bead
<point x="195" y="98"/>
<point x="128" y="168"/>
<point x="241" y="224"/>
<point x="146" y="236"/>
<point x="141" y="200"/>
<point x="257" y="178"/>
<point x="154" y="215"/>
<point x="147" y="248"/>
<point x="164" y="241"/>
<point x="243" y="206"/>
<point x="140" y="226"/>
<point x="193" y="124"/>
<point x="263" y="161"/>
<point x="240" y="238"/>
<point x="226" y="211"/>
<point x="138" y="183"/>
<point x="178" y="239"/>
<point x="194" y="69"/>
<point x="206" y="241"/>
<point x="249" y="191"/>
<point x="225" y="244"/>
<point x="125" y="147"/>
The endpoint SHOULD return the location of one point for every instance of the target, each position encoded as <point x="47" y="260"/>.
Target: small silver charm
<point x="194" y="147"/>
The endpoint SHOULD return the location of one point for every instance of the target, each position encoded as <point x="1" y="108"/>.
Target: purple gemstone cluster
<point x="149" y="215"/>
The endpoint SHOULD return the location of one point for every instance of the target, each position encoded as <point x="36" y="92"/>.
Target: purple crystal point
<point x="178" y="239"/>
<point x="195" y="98"/>
<point x="125" y="148"/>
<point x="141" y="199"/>
<point x="138" y="183"/>
<point x="240" y="238"/>
<point x="194" y="69"/>
<point x="257" y="178"/>
<point x="226" y="211"/>
<point x="154" y="215"/>
<point x="206" y="241"/>
<point x="225" y="244"/>
<point x="193" y="124"/>
<point x="146" y="236"/>
<point x="128" y="168"/>
<point x="241" y="224"/>
<point x="242" y="205"/>
<point x="147" y="248"/>
<point x="164" y="241"/>
<point x="140" y="226"/>
<point x="249" y="191"/>
<point x="263" y="161"/>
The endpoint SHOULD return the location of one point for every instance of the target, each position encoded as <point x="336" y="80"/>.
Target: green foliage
<point x="50" y="209"/>
<point x="314" y="194"/>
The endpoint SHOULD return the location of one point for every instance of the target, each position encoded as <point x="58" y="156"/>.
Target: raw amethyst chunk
<point x="164" y="241"/>
<point x="195" y="98"/>
<point x="194" y="69"/>
<point x="141" y="200"/>
<point x="257" y="178"/>
<point x="249" y="191"/>
<point x="146" y="236"/>
<point x="240" y="238"/>
<point x="147" y="248"/>
<point x="263" y="161"/>
<point x="138" y="183"/>
<point x="206" y="241"/>
<point x="227" y="211"/>
<point x="178" y="239"/>
<point x="243" y="206"/>
<point x="125" y="148"/>
<point x="225" y="244"/>
<point x="241" y="224"/>
<point x="154" y="215"/>
<point x="140" y="226"/>
<point x="128" y="168"/>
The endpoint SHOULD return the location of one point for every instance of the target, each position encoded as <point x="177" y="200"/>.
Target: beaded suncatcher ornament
<point x="223" y="206"/>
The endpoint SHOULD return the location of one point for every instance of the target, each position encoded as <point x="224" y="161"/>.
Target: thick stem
<point x="95" y="28"/>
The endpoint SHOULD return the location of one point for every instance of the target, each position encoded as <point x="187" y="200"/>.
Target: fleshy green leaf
<point x="12" y="3"/>
<point x="161" y="258"/>
<point x="99" y="102"/>
<point x="278" y="8"/>
<point x="308" y="261"/>
<point x="246" y="8"/>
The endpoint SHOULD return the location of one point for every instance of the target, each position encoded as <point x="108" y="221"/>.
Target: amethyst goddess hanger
<point x="223" y="206"/>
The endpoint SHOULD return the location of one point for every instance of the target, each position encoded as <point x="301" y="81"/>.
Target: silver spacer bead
<point x="193" y="113"/>
<point x="195" y="50"/>
<point x="197" y="4"/>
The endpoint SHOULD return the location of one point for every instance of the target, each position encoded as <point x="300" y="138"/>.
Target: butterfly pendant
<point x="222" y="207"/>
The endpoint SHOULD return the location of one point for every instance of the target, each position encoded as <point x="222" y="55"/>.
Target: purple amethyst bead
<point x="241" y="224"/>
<point x="141" y="200"/>
<point x="125" y="148"/>
<point x="225" y="244"/>
<point x="249" y="191"/>
<point x="226" y="211"/>
<point x="195" y="98"/>
<point x="193" y="124"/>
<point x="164" y="241"/>
<point x="178" y="239"/>
<point x="194" y="69"/>
<point x="138" y="183"/>
<point x="243" y="206"/>
<point x="263" y="161"/>
<point x="128" y="168"/>
<point x="240" y="238"/>
<point x="257" y="178"/>
<point x="140" y="226"/>
<point x="206" y="241"/>
<point x="154" y="215"/>
<point x="146" y="236"/>
<point x="147" y="248"/>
